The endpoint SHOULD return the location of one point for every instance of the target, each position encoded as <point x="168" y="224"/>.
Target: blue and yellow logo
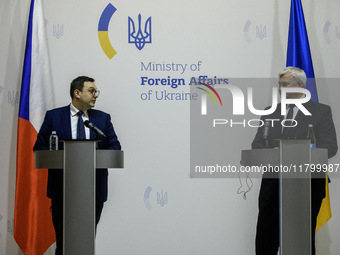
<point x="103" y="33"/>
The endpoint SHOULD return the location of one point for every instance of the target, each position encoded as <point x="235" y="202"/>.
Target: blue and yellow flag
<point x="298" y="55"/>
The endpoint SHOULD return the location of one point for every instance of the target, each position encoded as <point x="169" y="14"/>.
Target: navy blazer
<point x="59" y="120"/>
<point x="325" y="135"/>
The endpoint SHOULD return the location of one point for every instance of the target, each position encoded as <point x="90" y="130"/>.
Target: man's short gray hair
<point x="299" y="76"/>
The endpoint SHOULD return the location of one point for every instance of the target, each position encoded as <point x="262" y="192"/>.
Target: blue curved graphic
<point x="246" y="31"/>
<point x="325" y="31"/>
<point x="146" y="198"/>
<point x="103" y="33"/>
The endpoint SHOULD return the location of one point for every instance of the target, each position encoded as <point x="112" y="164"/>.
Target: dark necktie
<point x="80" y="127"/>
<point x="288" y="121"/>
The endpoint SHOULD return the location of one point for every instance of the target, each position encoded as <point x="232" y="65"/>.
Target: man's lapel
<point x="66" y="122"/>
<point x="92" y="118"/>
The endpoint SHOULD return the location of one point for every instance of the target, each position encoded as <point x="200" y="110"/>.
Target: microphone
<point x="96" y="130"/>
<point x="266" y="129"/>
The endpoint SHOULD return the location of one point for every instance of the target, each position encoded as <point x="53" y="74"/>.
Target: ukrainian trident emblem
<point x="58" y="31"/>
<point x="261" y="32"/>
<point x="337" y="32"/>
<point x="139" y="37"/>
<point x="162" y="199"/>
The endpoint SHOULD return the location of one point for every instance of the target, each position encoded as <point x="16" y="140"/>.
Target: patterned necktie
<point x="80" y="127"/>
<point x="288" y="122"/>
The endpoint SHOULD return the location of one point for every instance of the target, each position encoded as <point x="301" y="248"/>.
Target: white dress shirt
<point x="74" y="122"/>
<point x="295" y="111"/>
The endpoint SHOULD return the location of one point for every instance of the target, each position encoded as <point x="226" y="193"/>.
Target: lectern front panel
<point x="295" y="198"/>
<point x="79" y="203"/>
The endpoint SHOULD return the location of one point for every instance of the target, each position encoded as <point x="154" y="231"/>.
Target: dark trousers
<point x="57" y="219"/>
<point x="268" y="227"/>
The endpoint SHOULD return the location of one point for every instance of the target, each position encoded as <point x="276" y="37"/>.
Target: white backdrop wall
<point x="215" y="38"/>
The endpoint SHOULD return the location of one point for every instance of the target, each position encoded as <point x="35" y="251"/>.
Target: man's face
<point x="286" y="81"/>
<point x="87" y="97"/>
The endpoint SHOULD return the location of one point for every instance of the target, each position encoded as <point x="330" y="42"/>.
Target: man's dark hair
<point x="78" y="83"/>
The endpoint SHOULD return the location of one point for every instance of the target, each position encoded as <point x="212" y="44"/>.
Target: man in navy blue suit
<point x="64" y="121"/>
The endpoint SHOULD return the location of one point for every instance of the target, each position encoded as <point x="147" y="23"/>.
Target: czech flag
<point x="33" y="229"/>
<point x="298" y="55"/>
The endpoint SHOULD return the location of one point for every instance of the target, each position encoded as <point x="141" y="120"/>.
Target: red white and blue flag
<point x="33" y="229"/>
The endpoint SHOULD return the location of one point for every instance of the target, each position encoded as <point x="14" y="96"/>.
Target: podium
<point x="79" y="161"/>
<point x="293" y="161"/>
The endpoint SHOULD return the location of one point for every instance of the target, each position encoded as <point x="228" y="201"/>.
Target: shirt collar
<point x="74" y="111"/>
<point x="303" y="96"/>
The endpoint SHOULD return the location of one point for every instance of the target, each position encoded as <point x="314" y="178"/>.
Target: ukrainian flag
<point x="298" y="55"/>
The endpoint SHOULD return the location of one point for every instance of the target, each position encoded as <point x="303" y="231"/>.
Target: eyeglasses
<point x="94" y="92"/>
<point x="285" y="84"/>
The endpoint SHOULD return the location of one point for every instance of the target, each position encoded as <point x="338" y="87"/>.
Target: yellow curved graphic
<point x="109" y="51"/>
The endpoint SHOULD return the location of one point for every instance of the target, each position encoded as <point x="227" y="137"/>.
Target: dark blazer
<point x="325" y="135"/>
<point x="59" y="120"/>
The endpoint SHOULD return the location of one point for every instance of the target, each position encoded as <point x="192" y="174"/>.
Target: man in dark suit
<point x="267" y="232"/>
<point x="64" y="121"/>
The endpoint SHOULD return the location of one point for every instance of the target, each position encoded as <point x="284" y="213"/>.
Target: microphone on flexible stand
<point x="96" y="130"/>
